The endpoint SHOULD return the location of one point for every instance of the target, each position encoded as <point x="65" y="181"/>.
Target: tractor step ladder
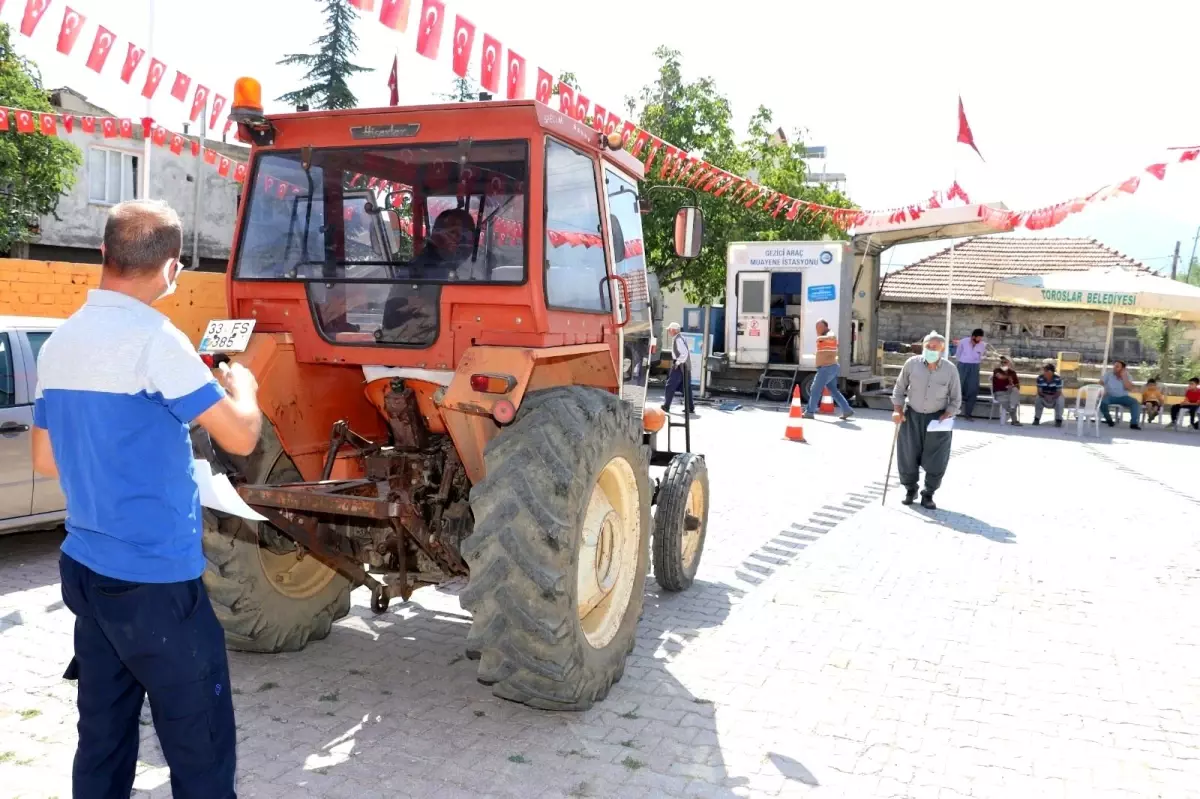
<point x="772" y="378"/>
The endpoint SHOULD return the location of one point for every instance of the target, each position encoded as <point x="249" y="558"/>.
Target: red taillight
<point x="208" y="361"/>
<point x="503" y="411"/>
<point x="492" y="384"/>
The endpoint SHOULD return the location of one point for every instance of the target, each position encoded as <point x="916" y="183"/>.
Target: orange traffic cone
<point x="826" y="401"/>
<point x="795" y="426"/>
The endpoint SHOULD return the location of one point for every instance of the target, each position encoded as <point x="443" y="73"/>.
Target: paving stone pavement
<point x="1035" y="637"/>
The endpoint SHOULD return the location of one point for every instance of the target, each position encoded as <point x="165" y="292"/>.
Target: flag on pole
<point x="394" y="82"/>
<point x="964" y="130"/>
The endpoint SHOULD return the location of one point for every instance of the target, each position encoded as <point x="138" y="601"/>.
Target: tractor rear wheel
<point x="268" y="593"/>
<point x="560" y="549"/>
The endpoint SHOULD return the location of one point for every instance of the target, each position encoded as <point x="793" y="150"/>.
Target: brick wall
<point x="56" y="289"/>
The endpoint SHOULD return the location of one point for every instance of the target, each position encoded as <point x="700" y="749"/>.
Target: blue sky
<point x="1063" y="96"/>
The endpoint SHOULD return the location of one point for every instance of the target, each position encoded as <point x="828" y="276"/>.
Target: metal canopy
<point x="933" y="225"/>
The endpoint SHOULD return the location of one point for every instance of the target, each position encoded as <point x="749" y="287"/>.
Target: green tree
<point x="463" y="91"/>
<point x="329" y="69"/>
<point x="35" y="171"/>
<point x="696" y="116"/>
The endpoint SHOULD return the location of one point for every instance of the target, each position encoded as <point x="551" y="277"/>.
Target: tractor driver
<point x="450" y="245"/>
<point x="410" y="313"/>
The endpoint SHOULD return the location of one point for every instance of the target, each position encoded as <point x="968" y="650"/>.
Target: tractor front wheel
<point x="680" y="521"/>
<point x="560" y="549"/>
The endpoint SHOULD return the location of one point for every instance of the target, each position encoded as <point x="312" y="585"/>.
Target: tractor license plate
<point x="226" y="335"/>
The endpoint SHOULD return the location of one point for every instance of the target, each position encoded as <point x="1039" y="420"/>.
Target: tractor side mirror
<point x="689" y="232"/>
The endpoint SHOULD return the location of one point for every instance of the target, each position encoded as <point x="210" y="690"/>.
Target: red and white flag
<point x="101" y="46"/>
<point x="223" y="167"/>
<point x="217" y="107"/>
<point x="627" y="132"/>
<point x="199" y="100"/>
<point x="429" y="36"/>
<point x="68" y="121"/>
<point x="210" y="155"/>
<point x="154" y="77"/>
<point x="394" y="82"/>
<point x="132" y="58"/>
<point x="239" y="172"/>
<point x="88" y="124"/>
<point x="394" y="14"/>
<point x="228" y="125"/>
<point x="545" y="87"/>
<point x="566" y="99"/>
<point x="516" y="76"/>
<point x="159" y="137"/>
<point x="125" y="126"/>
<point x="34" y="11"/>
<point x="581" y="107"/>
<point x="71" y="25"/>
<point x="49" y="124"/>
<point x="489" y="62"/>
<point x="3" y="119"/>
<point x="464" y="39"/>
<point x="363" y="5"/>
<point x="195" y="149"/>
<point x="109" y="126"/>
<point x="147" y="127"/>
<point x="611" y="123"/>
<point x="24" y="122"/>
<point x="598" y="117"/>
<point x="964" y="130"/>
<point x="176" y="144"/>
<point x="179" y="89"/>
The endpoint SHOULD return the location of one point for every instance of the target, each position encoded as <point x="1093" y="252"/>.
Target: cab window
<point x="575" y="265"/>
<point x="629" y="257"/>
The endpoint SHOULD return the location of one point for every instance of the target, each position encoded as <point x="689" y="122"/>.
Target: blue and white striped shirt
<point x="118" y="385"/>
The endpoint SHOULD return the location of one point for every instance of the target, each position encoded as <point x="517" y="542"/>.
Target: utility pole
<point x="1165" y="366"/>
<point x="1192" y="260"/>
<point x="1175" y="260"/>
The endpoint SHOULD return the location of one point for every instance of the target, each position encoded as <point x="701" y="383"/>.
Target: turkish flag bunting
<point x="195" y="149"/>
<point x="34" y="10"/>
<point x="223" y="167"/>
<point x="611" y="123"/>
<point x="160" y="137"/>
<point x="268" y="184"/>
<point x="69" y="122"/>
<point x="3" y="119"/>
<point x="199" y="100"/>
<point x="154" y="77"/>
<point x="176" y="143"/>
<point x="544" y="87"/>
<point x="109" y="126"/>
<point x="1130" y="185"/>
<point x="581" y="106"/>
<point x="627" y="131"/>
<point x="125" y="126"/>
<point x="363" y="5"/>
<point x="429" y="36"/>
<point x="147" y="127"/>
<point x="566" y="99"/>
<point x="729" y="184"/>
<point x="239" y="172"/>
<point x="701" y="171"/>
<point x="1188" y="155"/>
<point x="210" y="156"/>
<point x="393" y="14"/>
<point x="49" y="125"/>
<point x="716" y="178"/>
<point x="655" y="145"/>
<point x="218" y="106"/>
<point x="179" y="89"/>
<point x="964" y="130"/>
<point x="489" y="75"/>
<point x="598" y="117"/>
<point x="668" y="161"/>
<point x="794" y="211"/>
<point x="282" y="191"/>
<point x="228" y="125"/>
<point x="516" y="76"/>
<point x="464" y="39"/>
<point x="69" y="32"/>
<point x="758" y="194"/>
<point x="639" y="142"/>
<point x="132" y="58"/>
<point x="394" y="82"/>
<point x="24" y="122"/>
<point x="101" y="47"/>
<point x="783" y="200"/>
<point x="1158" y="170"/>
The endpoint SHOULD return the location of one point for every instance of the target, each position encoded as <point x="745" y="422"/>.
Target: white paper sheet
<point x="938" y="426"/>
<point x="218" y="493"/>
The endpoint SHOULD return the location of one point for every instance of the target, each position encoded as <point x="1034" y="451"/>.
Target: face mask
<point x="172" y="274"/>
<point x="930" y="356"/>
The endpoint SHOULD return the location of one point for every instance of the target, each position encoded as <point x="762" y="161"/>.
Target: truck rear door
<point x="753" y="320"/>
<point x="16" y="421"/>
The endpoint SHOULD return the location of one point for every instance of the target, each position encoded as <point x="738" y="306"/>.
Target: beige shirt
<point x="827" y="347"/>
<point x="928" y="390"/>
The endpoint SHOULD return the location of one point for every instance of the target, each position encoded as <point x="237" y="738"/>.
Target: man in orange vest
<point x="827" y="373"/>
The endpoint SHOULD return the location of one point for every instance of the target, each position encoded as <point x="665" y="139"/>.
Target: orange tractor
<point x="446" y="310"/>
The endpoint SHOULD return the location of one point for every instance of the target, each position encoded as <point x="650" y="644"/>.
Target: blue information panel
<point x="822" y="293"/>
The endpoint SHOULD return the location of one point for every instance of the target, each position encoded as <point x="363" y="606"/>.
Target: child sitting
<point x="1152" y="399"/>
<point x="1191" y="401"/>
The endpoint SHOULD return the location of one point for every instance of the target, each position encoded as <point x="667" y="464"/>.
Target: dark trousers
<point x="678" y="378"/>
<point x="968" y="377"/>
<point x="1191" y="409"/>
<point x="917" y="448"/>
<point x="160" y="639"/>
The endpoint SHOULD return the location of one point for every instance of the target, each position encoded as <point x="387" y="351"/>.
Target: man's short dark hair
<point x="977" y="332"/>
<point x="1119" y="362"/>
<point x="140" y="236"/>
<point x="1194" y="380"/>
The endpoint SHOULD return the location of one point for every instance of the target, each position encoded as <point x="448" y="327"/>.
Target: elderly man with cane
<point x="927" y="391"/>
<point x="118" y="387"/>
<point x="679" y="377"/>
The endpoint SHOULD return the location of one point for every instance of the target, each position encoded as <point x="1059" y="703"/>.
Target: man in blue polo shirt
<point x="118" y="387"/>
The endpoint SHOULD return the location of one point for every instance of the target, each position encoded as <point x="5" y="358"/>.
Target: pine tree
<point x="329" y="69"/>
<point x="464" y="91"/>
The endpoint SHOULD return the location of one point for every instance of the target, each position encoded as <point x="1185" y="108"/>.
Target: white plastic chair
<point x="1087" y="408"/>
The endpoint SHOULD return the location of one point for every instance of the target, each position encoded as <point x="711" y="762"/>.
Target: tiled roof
<point x="981" y="258"/>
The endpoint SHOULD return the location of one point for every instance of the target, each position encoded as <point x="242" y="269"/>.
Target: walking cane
<point x="888" y="478"/>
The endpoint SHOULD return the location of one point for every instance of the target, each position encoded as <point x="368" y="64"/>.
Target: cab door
<point x="630" y="288"/>
<point x="753" y="318"/>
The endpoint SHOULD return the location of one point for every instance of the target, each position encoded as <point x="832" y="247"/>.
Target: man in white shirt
<point x="679" y="377"/>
